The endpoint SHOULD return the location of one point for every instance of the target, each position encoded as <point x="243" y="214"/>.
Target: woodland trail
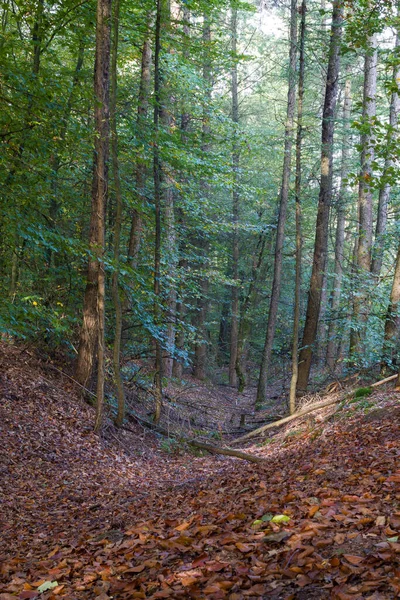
<point x="118" y="518"/>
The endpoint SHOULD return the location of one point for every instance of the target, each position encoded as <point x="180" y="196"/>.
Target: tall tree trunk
<point x="177" y="368"/>
<point x="392" y="323"/>
<point x="332" y="347"/>
<point x="324" y="200"/>
<point x="284" y="195"/>
<point x="140" y="166"/>
<point x="244" y="321"/>
<point x="117" y="223"/>
<point x="299" y="239"/>
<point x="92" y="330"/>
<point x="170" y="249"/>
<point x="162" y="12"/>
<point x="365" y="208"/>
<point x="200" y="350"/>
<point x="384" y="192"/>
<point x="235" y="203"/>
<point x="321" y="330"/>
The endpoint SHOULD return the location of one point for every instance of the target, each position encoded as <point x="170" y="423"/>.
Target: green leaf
<point x="267" y="517"/>
<point x="256" y="523"/>
<point x="393" y="539"/>
<point x="280" y="519"/>
<point x="47" y="585"/>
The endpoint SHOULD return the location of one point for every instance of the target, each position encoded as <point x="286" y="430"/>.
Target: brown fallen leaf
<point x="352" y="559"/>
<point x="244" y="547"/>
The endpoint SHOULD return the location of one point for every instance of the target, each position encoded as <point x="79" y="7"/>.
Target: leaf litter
<point x="82" y="518"/>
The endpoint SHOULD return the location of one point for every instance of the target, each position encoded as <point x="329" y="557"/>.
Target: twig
<point x="301" y="413"/>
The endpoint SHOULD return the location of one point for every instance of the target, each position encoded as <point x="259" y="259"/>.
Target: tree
<point x="117" y="222"/>
<point x="235" y="204"/>
<point x="365" y="208"/>
<point x="92" y="331"/>
<point x="324" y="200"/>
<point x="284" y="195"/>
<point x="299" y="240"/>
<point x="332" y="346"/>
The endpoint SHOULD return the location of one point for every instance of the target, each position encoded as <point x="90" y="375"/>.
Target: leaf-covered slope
<point x="78" y="511"/>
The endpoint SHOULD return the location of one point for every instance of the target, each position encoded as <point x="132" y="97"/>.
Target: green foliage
<point x="362" y="392"/>
<point x="171" y="446"/>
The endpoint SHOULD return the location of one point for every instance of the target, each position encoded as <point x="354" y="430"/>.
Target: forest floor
<point x="121" y="516"/>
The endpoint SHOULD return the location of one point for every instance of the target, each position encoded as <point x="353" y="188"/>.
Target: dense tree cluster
<point x="223" y="198"/>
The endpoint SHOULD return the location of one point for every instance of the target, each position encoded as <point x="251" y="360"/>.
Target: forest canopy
<point x="201" y="188"/>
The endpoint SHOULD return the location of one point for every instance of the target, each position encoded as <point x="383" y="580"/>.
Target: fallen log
<point x="300" y="413"/>
<point x="225" y="451"/>
<point x="296" y="415"/>
<point x="191" y="442"/>
<point x="391" y="378"/>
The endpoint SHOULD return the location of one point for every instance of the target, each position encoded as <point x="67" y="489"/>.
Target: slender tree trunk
<point x="117" y="222"/>
<point x="177" y="368"/>
<point x="284" y="195"/>
<point x="299" y="239"/>
<point x="171" y="252"/>
<point x="321" y="330"/>
<point x="222" y="346"/>
<point x="170" y="248"/>
<point x="162" y="11"/>
<point x="392" y="323"/>
<point x="332" y="347"/>
<point x="324" y="200"/>
<point x="384" y="192"/>
<point x="235" y="204"/>
<point x="365" y="208"/>
<point x="140" y="166"/>
<point x="92" y="331"/>
<point x="244" y="322"/>
<point x="200" y="350"/>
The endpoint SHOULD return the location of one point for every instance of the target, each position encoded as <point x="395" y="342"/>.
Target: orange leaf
<point x="183" y="526"/>
<point x="243" y="547"/>
<point x="189" y="580"/>
<point x="354" y="560"/>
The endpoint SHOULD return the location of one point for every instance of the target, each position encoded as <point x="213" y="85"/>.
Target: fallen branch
<point x="195" y="443"/>
<point x="296" y="415"/>
<point x="303" y="412"/>
<point x="225" y="451"/>
<point x="391" y="378"/>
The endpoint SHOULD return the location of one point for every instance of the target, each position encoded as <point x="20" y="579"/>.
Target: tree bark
<point x="299" y="239"/>
<point x="365" y="208"/>
<point x="162" y="11"/>
<point x="385" y="190"/>
<point x="332" y="346"/>
<point x="392" y="322"/>
<point x="284" y="195"/>
<point x="117" y="223"/>
<point x="321" y="329"/>
<point x="140" y="166"/>
<point x="92" y="330"/>
<point x="200" y="350"/>
<point x="235" y="203"/>
<point x="324" y="200"/>
<point x="244" y="322"/>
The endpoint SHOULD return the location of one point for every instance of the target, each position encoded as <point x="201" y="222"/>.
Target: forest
<point x="221" y="202"/>
<point x="199" y="299"/>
